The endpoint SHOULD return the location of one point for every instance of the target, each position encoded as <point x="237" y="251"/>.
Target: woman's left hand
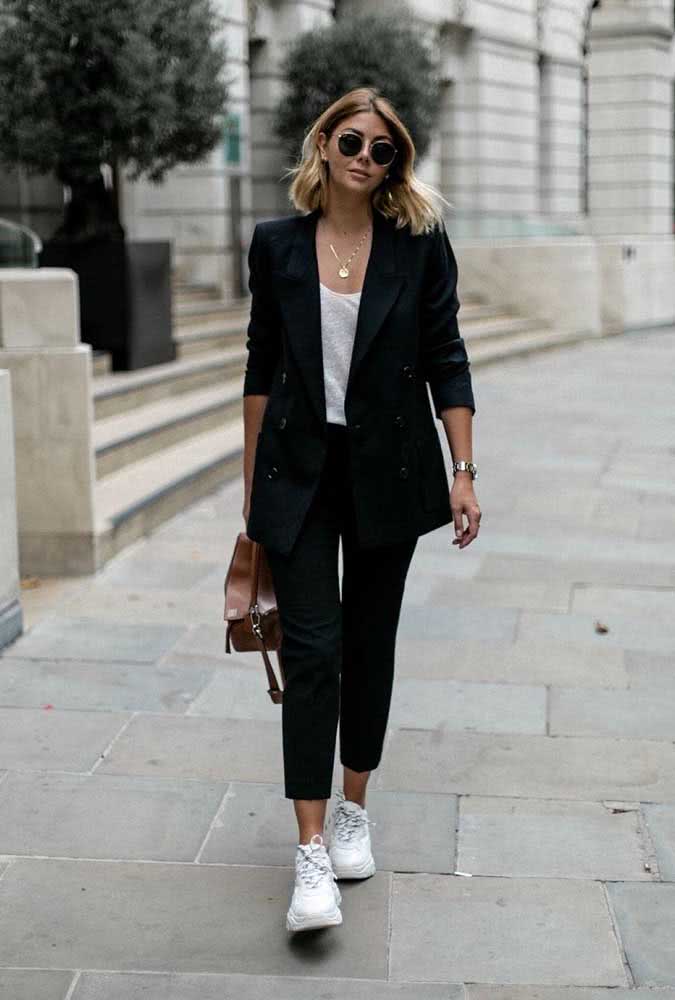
<point x="463" y="501"/>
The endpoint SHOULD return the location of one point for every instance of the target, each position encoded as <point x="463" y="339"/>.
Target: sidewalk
<point x="525" y="804"/>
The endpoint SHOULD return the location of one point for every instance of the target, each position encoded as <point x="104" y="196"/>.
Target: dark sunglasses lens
<point x="349" y="144"/>
<point x="382" y="153"/>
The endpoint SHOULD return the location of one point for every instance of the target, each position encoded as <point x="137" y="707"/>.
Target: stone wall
<point x="11" y="618"/>
<point x="53" y="419"/>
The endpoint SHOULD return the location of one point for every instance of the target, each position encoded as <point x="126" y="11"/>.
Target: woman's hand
<point x="246" y="508"/>
<point x="463" y="501"/>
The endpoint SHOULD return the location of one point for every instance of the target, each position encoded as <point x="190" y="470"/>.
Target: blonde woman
<point x="353" y="314"/>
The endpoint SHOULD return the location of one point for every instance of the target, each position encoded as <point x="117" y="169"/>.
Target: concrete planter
<point x="125" y="297"/>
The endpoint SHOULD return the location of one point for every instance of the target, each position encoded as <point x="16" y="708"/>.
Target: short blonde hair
<point x="403" y="196"/>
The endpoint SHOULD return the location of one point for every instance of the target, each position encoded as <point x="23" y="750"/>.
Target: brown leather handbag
<point x="251" y="609"/>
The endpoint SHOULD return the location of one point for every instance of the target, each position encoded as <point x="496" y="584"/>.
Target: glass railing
<point x="19" y="245"/>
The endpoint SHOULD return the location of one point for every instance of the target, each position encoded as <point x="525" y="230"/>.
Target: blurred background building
<point x="557" y="117"/>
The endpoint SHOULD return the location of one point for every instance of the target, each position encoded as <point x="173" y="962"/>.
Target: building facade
<point x="556" y="121"/>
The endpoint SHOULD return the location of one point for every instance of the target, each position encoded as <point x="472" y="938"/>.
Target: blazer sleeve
<point x="263" y="333"/>
<point x="445" y="363"/>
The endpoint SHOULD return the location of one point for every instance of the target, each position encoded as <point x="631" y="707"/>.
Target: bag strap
<point x="274" y="691"/>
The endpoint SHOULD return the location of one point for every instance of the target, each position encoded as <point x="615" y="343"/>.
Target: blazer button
<point x="403" y="472"/>
<point x="272" y="474"/>
<point x="399" y="420"/>
<point x="283" y="377"/>
<point x="282" y="423"/>
<point x="408" y="371"/>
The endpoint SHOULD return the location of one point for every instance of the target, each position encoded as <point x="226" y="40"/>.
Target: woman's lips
<point x="359" y="173"/>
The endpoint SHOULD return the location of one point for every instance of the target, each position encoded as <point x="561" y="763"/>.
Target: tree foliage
<point x="376" y="50"/>
<point x="125" y="82"/>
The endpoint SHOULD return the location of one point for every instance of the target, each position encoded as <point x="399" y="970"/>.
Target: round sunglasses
<point x="382" y="151"/>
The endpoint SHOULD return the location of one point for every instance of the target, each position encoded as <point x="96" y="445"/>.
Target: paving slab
<point x="141" y="570"/>
<point x="654" y="605"/>
<point x="480" y="991"/>
<point x="106" y="816"/>
<point x="600" y="570"/>
<point x="92" y="684"/>
<point x="645" y="915"/>
<point x="561" y="767"/>
<point x="208" y="748"/>
<point x="639" y="713"/>
<point x="551" y="595"/>
<point x="514" y="838"/>
<point x="144" y="606"/>
<point x="649" y="670"/>
<point x="521" y="662"/>
<point x="238" y="692"/>
<point x="159" y="986"/>
<point x="34" y="984"/>
<point x="660" y="820"/>
<point x="93" y="639"/>
<point x="503" y="930"/>
<point x="413" y="832"/>
<point x="182" y="918"/>
<point x="623" y="632"/>
<point x="42" y="739"/>
<point x="452" y="624"/>
<point x="208" y="640"/>
<point x="461" y="705"/>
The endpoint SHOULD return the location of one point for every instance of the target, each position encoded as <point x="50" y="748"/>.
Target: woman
<point x="353" y="313"/>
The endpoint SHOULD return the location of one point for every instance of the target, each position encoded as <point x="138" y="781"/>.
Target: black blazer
<point x="406" y="336"/>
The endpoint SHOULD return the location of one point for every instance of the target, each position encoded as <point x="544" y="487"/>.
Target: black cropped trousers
<point x="338" y="643"/>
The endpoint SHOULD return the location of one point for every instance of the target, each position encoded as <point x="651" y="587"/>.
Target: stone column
<point x="274" y="27"/>
<point x="11" y="617"/>
<point x="53" y="419"/>
<point x="561" y="103"/>
<point x="631" y="117"/>
<point x="496" y="127"/>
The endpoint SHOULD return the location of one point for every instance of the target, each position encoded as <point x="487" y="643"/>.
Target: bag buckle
<point x="255" y="621"/>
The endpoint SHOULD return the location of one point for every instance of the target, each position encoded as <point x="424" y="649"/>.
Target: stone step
<point x="198" y="339"/>
<point x="137" y="433"/>
<point x="497" y="326"/>
<point x="185" y="293"/>
<point x="515" y="345"/>
<point x="138" y="498"/>
<point x="119" y="392"/>
<point x="476" y="310"/>
<point x="101" y="362"/>
<point x="193" y="314"/>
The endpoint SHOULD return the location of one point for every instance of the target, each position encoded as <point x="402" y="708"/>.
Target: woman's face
<point x="358" y="174"/>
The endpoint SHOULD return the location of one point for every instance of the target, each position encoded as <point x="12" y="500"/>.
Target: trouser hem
<point x="359" y="767"/>
<point x="307" y="793"/>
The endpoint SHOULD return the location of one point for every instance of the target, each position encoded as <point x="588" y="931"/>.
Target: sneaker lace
<point x="347" y="822"/>
<point x="314" y="865"/>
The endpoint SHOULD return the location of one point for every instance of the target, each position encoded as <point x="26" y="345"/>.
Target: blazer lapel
<point x="300" y="300"/>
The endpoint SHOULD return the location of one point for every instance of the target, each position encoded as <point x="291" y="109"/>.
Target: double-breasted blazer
<point x="406" y="339"/>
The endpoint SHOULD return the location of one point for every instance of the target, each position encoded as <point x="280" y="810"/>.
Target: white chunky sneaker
<point x="316" y="898"/>
<point x="350" y="849"/>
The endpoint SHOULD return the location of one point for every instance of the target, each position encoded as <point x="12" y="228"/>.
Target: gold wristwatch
<point x="465" y="466"/>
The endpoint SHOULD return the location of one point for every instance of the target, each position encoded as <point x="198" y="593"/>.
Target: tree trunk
<point x="91" y="214"/>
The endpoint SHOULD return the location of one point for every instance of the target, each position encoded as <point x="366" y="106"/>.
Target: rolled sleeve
<point x="263" y="333"/>
<point x="445" y="362"/>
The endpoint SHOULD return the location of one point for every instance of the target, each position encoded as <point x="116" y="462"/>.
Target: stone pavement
<point x="525" y="804"/>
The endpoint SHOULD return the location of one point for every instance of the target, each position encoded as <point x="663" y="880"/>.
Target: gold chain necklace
<point x="344" y="265"/>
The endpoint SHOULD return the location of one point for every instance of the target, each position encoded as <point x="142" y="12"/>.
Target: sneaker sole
<point x="333" y="919"/>
<point x="363" y="871"/>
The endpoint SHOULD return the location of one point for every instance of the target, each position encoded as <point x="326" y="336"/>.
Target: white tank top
<point x="339" y="313"/>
